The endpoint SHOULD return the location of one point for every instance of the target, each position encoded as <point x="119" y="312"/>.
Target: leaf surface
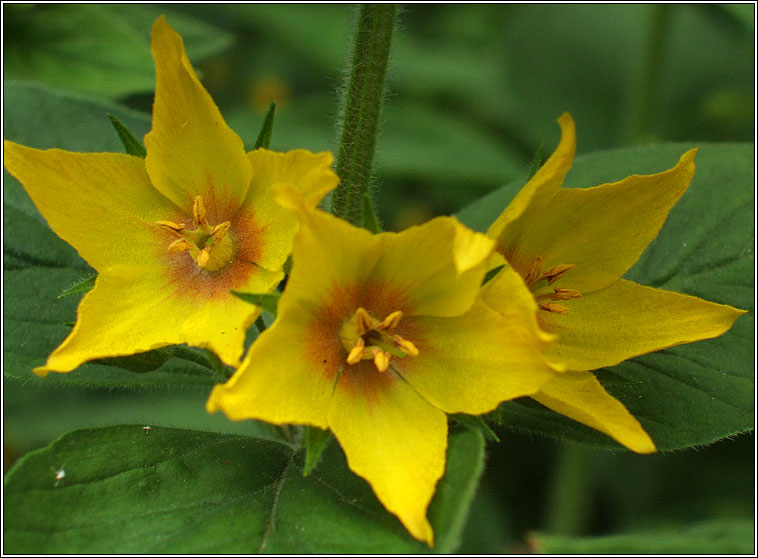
<point x="132" y="490"/>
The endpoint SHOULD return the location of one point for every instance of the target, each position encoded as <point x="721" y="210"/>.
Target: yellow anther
<point x="556" y="273"/>
<point x="356" y="353"/>
<point x="407" y="347"/>
<point x="390" y="322"/>
<point x="363" y="321"/>
<point x="198" y="212"/>
<point x="564" y="294"/>
<point x="554" y="307"/>
<point x="381" y="359"/>
<point x="219" y="231"/>
<point x="202" y="257"/>
<point x="180" y="245"/>
<point x="171" y="226"/>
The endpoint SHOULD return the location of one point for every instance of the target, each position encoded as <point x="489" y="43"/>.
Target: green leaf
<point x="722" y="536"/>
<point x="81" y="286"/>
<point x="690" y="394"/>
<point x="316" y="440"/>
<point x="94" y="49"/>
<point x="133" y="490"/>
<point x="132" y="145"/>
<point x="478" y="423"/>
<point x="267" y="129"/>
<point x="267" y="301"/>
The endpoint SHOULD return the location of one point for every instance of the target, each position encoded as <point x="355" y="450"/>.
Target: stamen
<point x="553" y="307"/>
<point x="219" y="231"/>
<point x="556" y="273"/>
<point x="390" y="322"/>
<point x="179" y="245"/>
<point x="356" y="353"/>
<point x="364" y="337"/>
<point x="406" y="345"/>
<point x="171" y="226"/>
<point x="198" y="212"/>
<point x="211" y="247"/>
<point x="363" y="321"/>
<point x="381" y="360"/>
<point x="202" y="257"/>
<point x="564" y="294"/>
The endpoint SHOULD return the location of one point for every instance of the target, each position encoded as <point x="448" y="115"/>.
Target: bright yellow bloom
<point x="377" y="337"/>
<point x="171" y="234"/>
<point x="571" y="247"/>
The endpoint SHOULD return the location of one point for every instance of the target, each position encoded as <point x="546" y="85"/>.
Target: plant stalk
<point x="364" y="94"/>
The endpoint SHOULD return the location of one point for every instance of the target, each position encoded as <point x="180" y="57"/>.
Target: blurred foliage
<point x="474" y="92"/>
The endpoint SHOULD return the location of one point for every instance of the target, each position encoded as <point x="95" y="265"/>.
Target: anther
<point x="219" y="231"/>
<point x="381" y="359"/>
<point x="171" y="226"/>
<point x="553" y="307"/>
<point x="407" y="347"/>
<point x="564" y="294"/>
<point x="556" y="273"/>
<point x="363" y="321"/>
<point x="198" y="212"/>
<point x="390" y="322"/>
<point x="356" y="353"/>
<point x="202" y="257"/>
<point x="179" y="245"/>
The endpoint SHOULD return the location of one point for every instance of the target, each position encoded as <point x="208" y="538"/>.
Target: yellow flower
<point x="170" y="234"/>
<point x="571" y="247"/>
<point x="377" y="337"/>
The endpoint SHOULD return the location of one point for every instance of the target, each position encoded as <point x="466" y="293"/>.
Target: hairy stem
<point x="364" y="94"/>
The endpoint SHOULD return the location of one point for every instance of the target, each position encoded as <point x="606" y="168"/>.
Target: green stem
<point x="572" y="491"/>
<point x="651" y="72"/>
<point x="363" y="105"/>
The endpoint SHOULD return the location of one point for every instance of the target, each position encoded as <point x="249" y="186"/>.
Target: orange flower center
<point x="536" y="280"/>
<point x="364" y="337"/>
<point x="210" y="246"/>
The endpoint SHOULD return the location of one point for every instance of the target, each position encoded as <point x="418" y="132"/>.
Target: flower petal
<point x="190" y="150"/>
<point x="309" y="174"/>
<point x="328" y="254"/>
<point x="580" y="396"/>
<point x="472" y="363"/>
<point x="540" y="188"/>
<point x="133" y="309"/>
<point x="625" y="320"/>
<point x="438" y="265"/>
<point x="101" y="203"/>
<point x="601" y="230"/>
<point x="393" y="439"/>
<point x="285" y="377"/>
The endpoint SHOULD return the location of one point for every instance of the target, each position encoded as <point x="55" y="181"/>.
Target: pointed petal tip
<point x="41" y="371"/>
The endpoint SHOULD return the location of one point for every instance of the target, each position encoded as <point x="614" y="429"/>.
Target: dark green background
<point x="473" y="92"/>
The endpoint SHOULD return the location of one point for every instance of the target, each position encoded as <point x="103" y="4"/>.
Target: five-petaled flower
<point x="170" y="234"/>
<point x="377" y="337"/>
<point x="571" y="247"/>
